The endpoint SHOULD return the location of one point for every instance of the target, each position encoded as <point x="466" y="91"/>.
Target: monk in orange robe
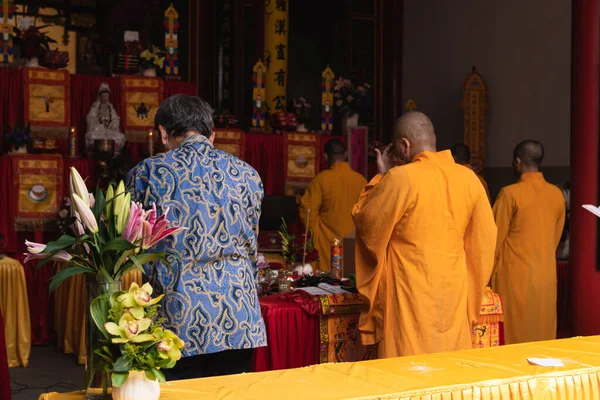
<point x="330" y="197"/>
<point x="462" y="156"/>
<point x="425" y="238"/>
<point x="530" y="216"/>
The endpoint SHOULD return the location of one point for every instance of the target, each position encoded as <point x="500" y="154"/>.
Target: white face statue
<point x="104" y="97"/>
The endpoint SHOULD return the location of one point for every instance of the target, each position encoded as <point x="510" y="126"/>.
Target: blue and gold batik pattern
<point x="210" y="292"/>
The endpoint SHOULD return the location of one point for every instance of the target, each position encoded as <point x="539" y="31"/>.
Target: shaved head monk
<point x="425" y="247"/>
<point x="462" y="156"/>
<point x="530" y="216"/>
<point x="330" y="197"/>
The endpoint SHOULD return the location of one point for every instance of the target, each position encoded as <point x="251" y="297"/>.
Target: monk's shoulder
<point x="511" y="190"/>
<point x="555" y="192"/>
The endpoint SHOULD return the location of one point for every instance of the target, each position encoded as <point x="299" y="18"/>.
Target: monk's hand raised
<point x="385" y="160"/>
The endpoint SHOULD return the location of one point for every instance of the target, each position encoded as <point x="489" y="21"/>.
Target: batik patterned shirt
<point x="210" y="293"/>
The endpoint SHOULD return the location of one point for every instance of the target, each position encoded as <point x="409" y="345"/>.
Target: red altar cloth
<point x="292" y="336"/>
<point x="4" y="377"/>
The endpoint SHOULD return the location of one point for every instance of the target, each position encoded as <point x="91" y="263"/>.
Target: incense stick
<point x="305" y="237"/>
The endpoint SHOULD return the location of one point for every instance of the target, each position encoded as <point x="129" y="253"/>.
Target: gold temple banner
<point x="7" y="27"/>
<point x="276" y="53"/>
<point x="231" y="141"/>
<point x="140" y="98"/>
<point x="301" y="155"/>
<point x="47" y="95"/>
<point x="38" y="182"/>
<point x="474" y="106"/>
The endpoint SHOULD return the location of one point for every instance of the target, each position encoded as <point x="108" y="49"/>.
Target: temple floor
<point x="49" y="370"/>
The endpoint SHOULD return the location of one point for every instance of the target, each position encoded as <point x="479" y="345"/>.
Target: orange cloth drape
<point x="70" y="312"/>
<point x="15" y="310"/>
<point x="484" y="374"/>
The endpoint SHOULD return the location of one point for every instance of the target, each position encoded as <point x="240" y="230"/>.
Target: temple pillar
<point x="585" y="284"/>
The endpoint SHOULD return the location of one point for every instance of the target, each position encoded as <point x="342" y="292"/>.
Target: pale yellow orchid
<point x="159" y="61"/>
<point x="169" y="344"/>
<point x="130" y="329"/>
<point x="146" y="54"/>
<point x="137" y="298"/>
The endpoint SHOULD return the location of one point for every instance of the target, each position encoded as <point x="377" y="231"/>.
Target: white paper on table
<point x="593" y="209"/>
<point x="546" y="362"/>
<point x="331" y="288"/>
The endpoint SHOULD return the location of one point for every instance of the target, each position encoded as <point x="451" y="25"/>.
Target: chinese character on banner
<point x="280" y="77"/>
<point x="279" y="103"/>
<point x="280" y="27"/>
<point x="280" y="51"/>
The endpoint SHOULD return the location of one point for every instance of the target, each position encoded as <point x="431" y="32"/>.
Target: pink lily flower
<point x="154" y="233"/>
<point x="34" y="252"/>
<point x="133" y="227"/>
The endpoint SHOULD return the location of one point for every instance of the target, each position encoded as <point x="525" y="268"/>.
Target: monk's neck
<point x="423" y="149"/>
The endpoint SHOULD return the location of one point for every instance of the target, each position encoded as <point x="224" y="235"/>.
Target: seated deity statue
<point x="103" y="121"/>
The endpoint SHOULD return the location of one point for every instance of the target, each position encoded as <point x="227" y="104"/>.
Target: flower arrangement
<point x="349" y="98"/>
<point x="112" y="234"/>
<point x="19" y="136"/>
<point x="293" y="246"/>
<point x="152" y="58"/>
<point x="134" y="339"/>
<point x="34" y="43"/>
<point x="302" y="110"/>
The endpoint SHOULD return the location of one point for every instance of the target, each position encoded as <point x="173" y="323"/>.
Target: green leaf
<point x="145" y="258"/>
<point x="99" y="312"/>
<point x="64" y="274"/>
<point x="98" y="204"/>
<point x="62" y="243"/>
<point x="165" y="363"/>
<point x="115" y="296"/>
<point x="120" y="261"/>
<point x="119" y="378"/>
<point x="159" y="375"/>
<point x="104" y="357"/>
<point x="108" y="262"/>
<point x="150" y="375"/>
<point x="118" y="244"/>
<point x="122" y="365"/>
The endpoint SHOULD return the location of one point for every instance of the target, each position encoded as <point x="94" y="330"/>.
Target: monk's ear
<point x="212" y="137"/>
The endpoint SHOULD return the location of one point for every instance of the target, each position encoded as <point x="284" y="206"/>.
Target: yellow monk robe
<point x="482" y="179"/>
<point x="425" y="252"/>
<point x="530" y="216"/>
<point x="330" y="197"/>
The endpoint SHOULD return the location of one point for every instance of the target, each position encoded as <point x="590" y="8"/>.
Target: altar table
<point x="14" y="308"/>
<point x="490" y="373"/>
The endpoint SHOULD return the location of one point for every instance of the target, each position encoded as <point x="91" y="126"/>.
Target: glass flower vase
<point x="97" y="378"/>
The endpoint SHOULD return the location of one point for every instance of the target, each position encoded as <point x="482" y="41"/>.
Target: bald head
<point x="415" y="130"/>
<point x="530" y="154"/>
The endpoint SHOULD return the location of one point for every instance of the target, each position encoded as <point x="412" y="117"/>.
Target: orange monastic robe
<point x="481" y="179"/>
<point x="530" y="216"/>
<point x="330" y="197"/>
<point x="424" y="255"/>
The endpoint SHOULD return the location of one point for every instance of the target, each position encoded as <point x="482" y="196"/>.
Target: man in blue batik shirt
<point x="210" y="292"/>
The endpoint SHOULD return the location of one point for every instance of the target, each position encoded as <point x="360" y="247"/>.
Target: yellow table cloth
<point x="487" y="373"/>
<point x="14" y="306"/>
<point x="70" y="312"/>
